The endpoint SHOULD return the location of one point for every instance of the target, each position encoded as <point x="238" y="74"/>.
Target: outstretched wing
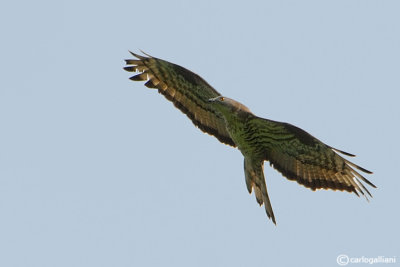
<point x="301" y="157"/>
<point x="188" y="91"/>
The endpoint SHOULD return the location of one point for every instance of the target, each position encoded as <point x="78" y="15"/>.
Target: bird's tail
<point x="254" y="173"/>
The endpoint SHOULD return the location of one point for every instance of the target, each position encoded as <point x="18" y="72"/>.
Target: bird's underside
<point x="296" y="154"/>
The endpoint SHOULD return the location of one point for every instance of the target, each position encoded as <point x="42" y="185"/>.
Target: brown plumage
<point x="296" y="154"/>
<point x="188" y="91"/>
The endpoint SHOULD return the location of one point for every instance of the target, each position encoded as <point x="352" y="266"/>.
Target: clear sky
<point x="96" y="170"/>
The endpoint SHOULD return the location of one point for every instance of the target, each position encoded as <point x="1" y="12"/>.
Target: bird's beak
<point x="212" y="99"/>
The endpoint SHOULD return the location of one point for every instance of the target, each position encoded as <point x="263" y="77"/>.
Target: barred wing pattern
<point x="301" y="157"/>
<point x="188" y="91"/>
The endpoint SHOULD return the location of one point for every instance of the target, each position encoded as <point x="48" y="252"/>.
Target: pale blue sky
<point x="96" y="170"/>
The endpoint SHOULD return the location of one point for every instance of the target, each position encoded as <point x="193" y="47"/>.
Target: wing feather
<point x="188" y="92"/>
<point x="301" y="157"/>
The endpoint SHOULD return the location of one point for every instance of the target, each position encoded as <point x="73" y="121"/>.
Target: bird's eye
<point x="221" y="98"/>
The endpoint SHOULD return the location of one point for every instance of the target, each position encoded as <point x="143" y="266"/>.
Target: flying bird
<point x="296" y="154"/>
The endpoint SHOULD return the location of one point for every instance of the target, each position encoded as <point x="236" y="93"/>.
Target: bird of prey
<point x="296" y="154"/>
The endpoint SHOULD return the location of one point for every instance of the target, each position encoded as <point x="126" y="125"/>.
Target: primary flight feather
<point x="296" y="154"/>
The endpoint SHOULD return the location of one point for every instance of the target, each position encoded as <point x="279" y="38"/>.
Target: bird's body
<point x="292" y="151"/>
<point x="236" y="120"/>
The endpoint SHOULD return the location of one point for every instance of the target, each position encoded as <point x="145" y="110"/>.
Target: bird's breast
<point x="244" y="139"/>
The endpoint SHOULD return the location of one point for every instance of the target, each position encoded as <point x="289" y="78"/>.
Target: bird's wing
<point x="188" y="91"/>
<point x="301" y="157"/>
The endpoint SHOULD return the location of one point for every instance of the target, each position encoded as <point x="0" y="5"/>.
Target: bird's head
<point x="227" y="105"/>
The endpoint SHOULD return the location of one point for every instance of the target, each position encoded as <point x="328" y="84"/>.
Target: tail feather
<point x="254" y="174"/>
